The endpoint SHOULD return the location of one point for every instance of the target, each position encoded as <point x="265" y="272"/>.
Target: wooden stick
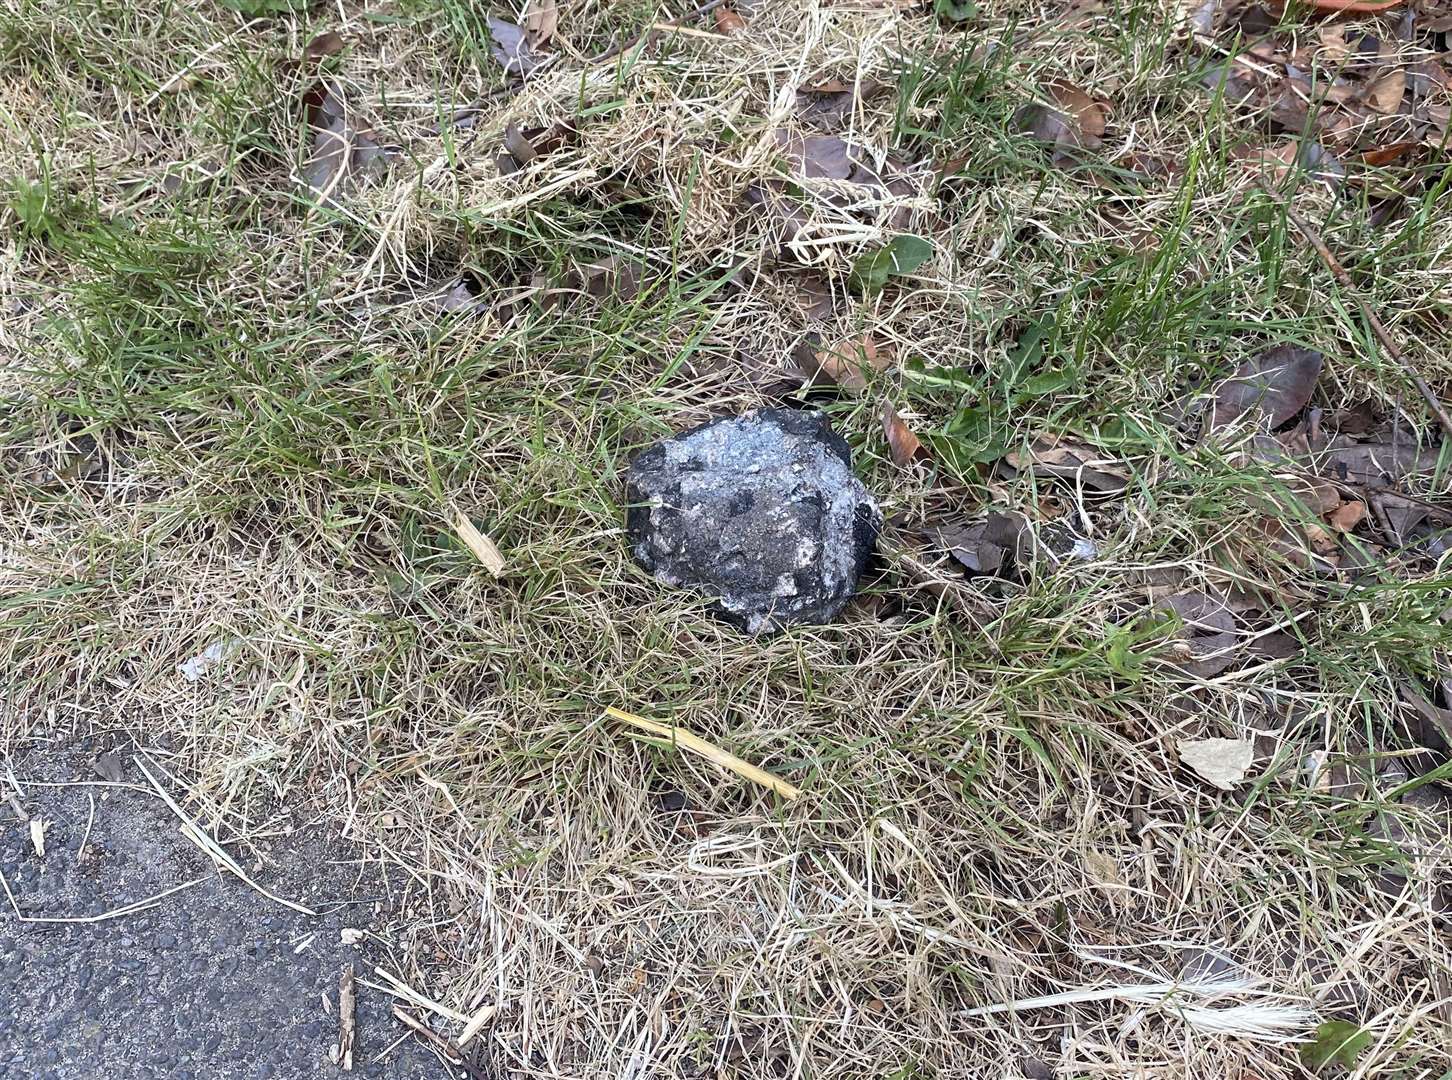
<point x="347" y="1017"/>
<point x="439" y="1043"/>
<point x="683" y="738"/>
<point x="1382" y="335"/>
<point x="483" y="548"/>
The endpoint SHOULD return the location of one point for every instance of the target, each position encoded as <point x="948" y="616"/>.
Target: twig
<point x="439" y="1043"/>
<point x="347" y="1017"/>
<point x="1339" y="273"/>
<point x="400" y="989"/>
<point x="476" y="1024"/>
<point x="681" y="737"/>
<point x="620" y="47"/>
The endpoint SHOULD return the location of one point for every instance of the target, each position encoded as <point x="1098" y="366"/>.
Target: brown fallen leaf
<point x="1386" y="93"/>
<point x="1354" y="7"/>
<point x="1206" y="637"/>
<point x="1222" y="762"/>
<point x="1077" y="463"/>
<point x="1385" y="155"/>
<point x="901" y="441"/>
<point x="511" y="49"/>
<point x="843" y="363"/>
<point x="541" y="20"/>
<point x="1276" y="384"/>
<point x="829" y="103"/>
<point x="816" y="156"/>
<point x="1347" y="516"/>
<point x="728" y="21"/>
<point x="1373" y="463"/>
<point x="342" y="152"/>
<point x="1001" y="544"/>
<point x="1072" y="121"/>
<point x="326" y="44"/>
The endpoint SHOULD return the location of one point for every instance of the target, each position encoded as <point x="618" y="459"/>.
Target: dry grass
<point x="234" y="419"/>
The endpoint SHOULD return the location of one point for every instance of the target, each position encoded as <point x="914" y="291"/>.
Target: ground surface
<point x="1153" y="677"/>
<point x="213" y="981"/>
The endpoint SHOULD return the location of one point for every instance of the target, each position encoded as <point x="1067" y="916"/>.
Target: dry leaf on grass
<point x="828" y="104"/>
<point x="342" y="151"/>
<point x="728" y="21"/>
<point x="1347" y="516"/>
<point x="1072" y="121"/>
<point x="901" y="441"/>
<point x="1374" y="463"/>
<point x="999" y="545"/>
<point x="1074" y="462"/>
<point x="1206" y="640"/>
<point x="511" y="49"/>
<point x="1354" y="7"/>
<point x="326" y="44"/>
<point x="1276" y="383"/>
<point x="844" y="363"/>
<point x="1386" y="93"/>
<point x="541" y="20"/>
<point x="1222" y="762"/>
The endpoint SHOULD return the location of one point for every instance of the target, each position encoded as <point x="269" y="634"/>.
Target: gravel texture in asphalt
<point x="213" y="981"/>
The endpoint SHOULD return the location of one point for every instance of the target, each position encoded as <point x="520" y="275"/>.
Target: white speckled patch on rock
<point x="760" y="511"/>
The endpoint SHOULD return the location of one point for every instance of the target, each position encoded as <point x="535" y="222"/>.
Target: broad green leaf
<point x="1336" y="1040"/>
<point x="1048" y="381"/>
<point x="901" y="255"/>
<point x="955" y="10"/>
<point x="941" y="378"/>
<point x="254" y="8"/>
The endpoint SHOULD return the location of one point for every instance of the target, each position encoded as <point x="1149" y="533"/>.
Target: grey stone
<point x="760" y="512"/>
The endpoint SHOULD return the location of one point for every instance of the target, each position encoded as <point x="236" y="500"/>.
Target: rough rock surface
<point x="760" y="511"/>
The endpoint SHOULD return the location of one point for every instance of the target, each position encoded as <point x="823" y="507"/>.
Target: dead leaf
<point x="1065" y="460"/>
<point x="511" y="48"/>
<point x="1386" y="93"/>
<point x="1354" y="7"/>
<point x="541" y="19"/>
<point x="816" y="156"/>
<point x="843" y="363"/>
<point x="728" y="21"/>
<point x="37" y="836"/>
<point x="1104" y="871"/>
<point x="1373" y="463"/>
<point x="1222" y="762"/>
<point x="1206" y="640"/>
<point x="1385" y="155"/>
<point x="614" y="276"/>
<point x="1001" y="544"/>
<point x="829" y="103"/>
<point x="901" y="441"/>
<point x="109" y="766"/>
<point x="1073" y="121"/>
<point x="342" y="151"/>
<point x="1276" y="384"/>
<point x="1347" y="516"/>
<point x="328" y="44"/>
